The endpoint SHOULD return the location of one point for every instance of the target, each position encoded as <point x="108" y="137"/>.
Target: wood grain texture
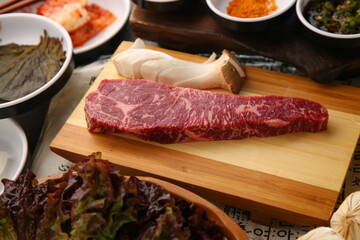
<point x="273" y="196"/>
<point x="194" y="30"/>
<point x="295" y="177"/>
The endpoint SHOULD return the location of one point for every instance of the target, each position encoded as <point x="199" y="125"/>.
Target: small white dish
<point x="218" y="10"/>
<point x="14" y="143"/>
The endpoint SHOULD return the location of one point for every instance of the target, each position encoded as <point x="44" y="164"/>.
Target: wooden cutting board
<point x="296" y="177"/>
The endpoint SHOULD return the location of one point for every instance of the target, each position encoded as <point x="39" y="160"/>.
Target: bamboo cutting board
<point x="295" y="177"/>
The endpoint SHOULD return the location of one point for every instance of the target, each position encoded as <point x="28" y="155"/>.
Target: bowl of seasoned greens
<point x="36" y="61"/>
<point x="332" y="23"/>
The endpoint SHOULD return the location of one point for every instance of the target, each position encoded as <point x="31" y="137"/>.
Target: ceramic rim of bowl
<point x="299" y="12"/>
<point x="249" y="20"/>
<point x="69" y="52"/>
<point x="24" y="155"/>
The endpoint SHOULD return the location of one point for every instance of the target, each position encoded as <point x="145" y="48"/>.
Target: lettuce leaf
<point x="7" y="227"/>
<point x="167" y="226"/>
<point x="94" y="201"/>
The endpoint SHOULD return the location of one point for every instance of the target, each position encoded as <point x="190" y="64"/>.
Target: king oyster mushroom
<point x="137" y="62"/>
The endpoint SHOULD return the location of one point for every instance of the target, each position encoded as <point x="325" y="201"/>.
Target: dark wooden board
<point x="194" y="30"/>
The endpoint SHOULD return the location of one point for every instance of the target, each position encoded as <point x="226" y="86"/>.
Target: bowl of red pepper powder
<point x="250" y="15"/>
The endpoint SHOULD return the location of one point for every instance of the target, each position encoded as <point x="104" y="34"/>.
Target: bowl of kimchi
<point x="250" y="16"/>
<point x="90" y="23"/>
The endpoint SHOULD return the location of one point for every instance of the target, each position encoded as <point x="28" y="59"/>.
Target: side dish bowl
<point x="323" y="37"/>
<point x="26" y="29"/>
<point x="218" y="11"/>
<point x="14" y="145"/>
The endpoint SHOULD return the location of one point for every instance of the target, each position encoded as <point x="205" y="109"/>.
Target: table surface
<point x="44" y="163"/>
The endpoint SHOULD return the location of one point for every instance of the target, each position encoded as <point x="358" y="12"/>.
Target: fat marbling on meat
<point x="168" y="114"/>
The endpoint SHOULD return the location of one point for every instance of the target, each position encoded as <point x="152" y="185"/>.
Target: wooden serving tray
<point x="295" y="177"/>
<point x="194" y="30"/>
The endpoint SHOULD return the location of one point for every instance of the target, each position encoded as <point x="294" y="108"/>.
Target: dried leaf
<point x="25" y="68"/>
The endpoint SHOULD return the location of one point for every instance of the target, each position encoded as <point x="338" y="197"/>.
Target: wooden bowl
<point x="228" y="226"/>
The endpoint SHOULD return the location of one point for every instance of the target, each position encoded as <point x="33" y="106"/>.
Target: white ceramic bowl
<point x="14" y="143"/>
<point x="218" y="10"/>
<point x="27" y="28"/>
<point x="324" y="37"/>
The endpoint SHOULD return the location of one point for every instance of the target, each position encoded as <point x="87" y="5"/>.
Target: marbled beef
<point x="168" y="114"/>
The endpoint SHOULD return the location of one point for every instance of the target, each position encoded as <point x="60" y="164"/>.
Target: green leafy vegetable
<point x="94" y="201"/>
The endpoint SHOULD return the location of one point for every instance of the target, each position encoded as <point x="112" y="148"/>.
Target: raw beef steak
<point x="168" y="114"/>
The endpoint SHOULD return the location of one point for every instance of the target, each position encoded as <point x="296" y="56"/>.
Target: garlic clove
<point x="321" y="233"/>
<point x="346" y="219"/>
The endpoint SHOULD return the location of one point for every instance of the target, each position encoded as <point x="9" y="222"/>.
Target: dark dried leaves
<point x="25" y="68"/>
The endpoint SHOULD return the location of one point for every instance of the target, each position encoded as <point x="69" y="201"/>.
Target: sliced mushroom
<point x="226" y="72"/>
